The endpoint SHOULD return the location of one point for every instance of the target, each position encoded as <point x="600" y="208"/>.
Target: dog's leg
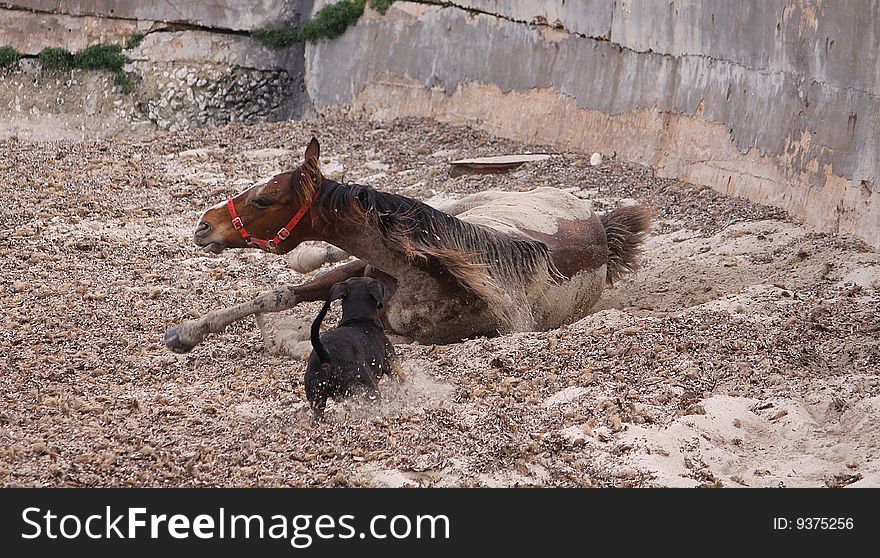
<point x="399" y="374"/>
<point x="318" y="410"/>
<point x="182" y="338"/>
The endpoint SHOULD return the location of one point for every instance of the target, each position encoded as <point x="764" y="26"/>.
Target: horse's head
<point x="267" y="215"/>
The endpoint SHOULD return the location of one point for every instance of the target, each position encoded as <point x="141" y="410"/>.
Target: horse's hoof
<point x="173" y="342"/>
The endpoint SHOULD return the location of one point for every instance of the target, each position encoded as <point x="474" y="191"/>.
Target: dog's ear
<point x="377" y="291"/>
<point x="339" y="290"/>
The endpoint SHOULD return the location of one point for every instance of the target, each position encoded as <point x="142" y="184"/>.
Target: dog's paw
<point x="399" y="374"/>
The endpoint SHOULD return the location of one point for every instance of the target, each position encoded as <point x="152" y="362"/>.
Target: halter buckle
<point x="236" y="222"/>
<point x="283" y="233"/>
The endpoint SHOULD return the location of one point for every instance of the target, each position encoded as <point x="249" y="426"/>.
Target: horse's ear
<point x="339" y="290"/>
<point x="310" y="171"/>
<point x="377" y="291"/>
<point x="313" y="151"/>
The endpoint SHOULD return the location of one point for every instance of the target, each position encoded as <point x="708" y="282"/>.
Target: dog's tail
<point x="320" y="351"/>
<point x="625" y="229"/>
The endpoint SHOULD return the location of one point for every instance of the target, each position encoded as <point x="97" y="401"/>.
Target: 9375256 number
<point x="814" y="523"/>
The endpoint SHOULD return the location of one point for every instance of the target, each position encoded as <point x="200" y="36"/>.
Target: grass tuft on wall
<point x="94" y="57"/>
<point x="328" y="23"/>
<point x="8" y="56"/>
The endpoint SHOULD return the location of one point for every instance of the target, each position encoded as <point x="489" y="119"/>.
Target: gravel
<point x="98" y="262"/>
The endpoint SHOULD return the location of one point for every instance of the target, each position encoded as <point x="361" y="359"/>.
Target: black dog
<point x="350" y="359"/>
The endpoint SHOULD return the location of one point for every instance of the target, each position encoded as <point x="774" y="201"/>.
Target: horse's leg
<point x="182" y="338"/>
<point x="268" y="341"/>
<point x="309" y="257"/>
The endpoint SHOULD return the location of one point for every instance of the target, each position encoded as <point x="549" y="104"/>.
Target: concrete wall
<point x="31" y="32"/>
<point x="777" y="101"/>
<point x="240" y="15"/>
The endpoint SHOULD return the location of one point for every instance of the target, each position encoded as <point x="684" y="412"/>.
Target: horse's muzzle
<point x="210" y="247"/>
<point x="203" y="241"/>
<point x="202" y="229"/>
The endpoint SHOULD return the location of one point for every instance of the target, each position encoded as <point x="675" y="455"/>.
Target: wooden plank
<point x="490" y="165"/>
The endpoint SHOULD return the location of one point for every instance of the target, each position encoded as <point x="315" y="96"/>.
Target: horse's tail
<point x="625" y="229"/>
<point x="320" y="351"/>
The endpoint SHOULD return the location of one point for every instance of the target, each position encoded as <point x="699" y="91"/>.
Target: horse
<point x="491" y="263"/>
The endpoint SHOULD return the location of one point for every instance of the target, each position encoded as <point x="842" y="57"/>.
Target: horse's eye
<point x="262" y="202"/>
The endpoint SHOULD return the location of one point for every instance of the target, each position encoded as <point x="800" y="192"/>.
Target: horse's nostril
<point x="203" y="228"/>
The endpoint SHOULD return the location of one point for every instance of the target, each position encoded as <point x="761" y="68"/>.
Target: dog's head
<point x="361" y="297"/>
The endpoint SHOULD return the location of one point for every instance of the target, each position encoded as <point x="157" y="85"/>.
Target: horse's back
<point x="574" y="235"/>
<point x="566" y="224"/>
<point x="540" y="210"/>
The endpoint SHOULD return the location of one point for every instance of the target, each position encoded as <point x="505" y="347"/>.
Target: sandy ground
<point x="745" y="353"/>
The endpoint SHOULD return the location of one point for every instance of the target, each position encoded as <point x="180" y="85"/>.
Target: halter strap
<point x="280" y="236"/>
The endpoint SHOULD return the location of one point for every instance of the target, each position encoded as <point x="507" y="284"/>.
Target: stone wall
<point x="199" y="78"/>
<point x="196" y="67"/>
<point x="775" y="101"/>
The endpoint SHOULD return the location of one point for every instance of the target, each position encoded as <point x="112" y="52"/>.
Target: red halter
<point x="268" y="245"/>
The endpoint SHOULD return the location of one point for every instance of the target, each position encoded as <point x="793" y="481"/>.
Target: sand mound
<point x="764" y="443"/>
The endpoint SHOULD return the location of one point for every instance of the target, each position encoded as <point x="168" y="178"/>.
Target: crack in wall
<point x="471" y="9"/>
<point x="763" y="71"/>
<point x="171" y="25"/>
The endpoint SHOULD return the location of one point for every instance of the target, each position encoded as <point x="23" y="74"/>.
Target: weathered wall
<point x="196" y="67"/>
<point x="776" y="101"/>
<point x="41" y="105"/>
<point x="198" y="78"/>
<point x="238" y="15"/>
<point x="31" y="32"/>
